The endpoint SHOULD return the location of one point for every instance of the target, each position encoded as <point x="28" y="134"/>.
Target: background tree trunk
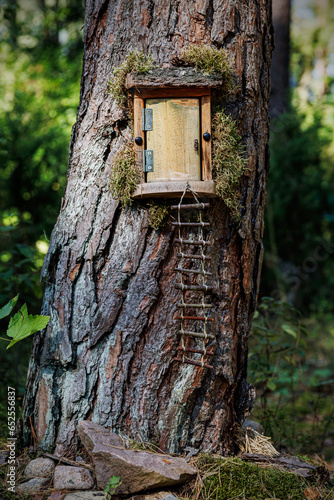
<point x="281" y="57"/>
<point x="107" y="353"/>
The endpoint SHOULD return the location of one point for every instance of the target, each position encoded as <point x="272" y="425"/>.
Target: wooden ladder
<point x="195" y="339"/>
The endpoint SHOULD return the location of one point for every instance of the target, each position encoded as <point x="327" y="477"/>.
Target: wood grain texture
<point x="176" y="127"/>
<point x="206" y="189"/>
<point x="206" y="145"/>
<point x="107" y="352"/>
<point x="138" y="106"/>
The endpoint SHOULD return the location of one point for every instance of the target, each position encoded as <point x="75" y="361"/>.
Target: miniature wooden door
<point x="174" y="139"/>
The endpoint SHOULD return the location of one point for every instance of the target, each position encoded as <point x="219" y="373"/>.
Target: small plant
<point x="134" y="61"/>
<point x="22" y="324"/>
<point x="158" y="214"/>
<point x="276" y="346"/>
<point x="209" y="60"/>
<point x="124" y="175"/>
<point x="113" y="483"/>
<point x="228" y="161"/>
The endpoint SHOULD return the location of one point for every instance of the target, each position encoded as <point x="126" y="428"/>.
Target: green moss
<point x="209" y="60"/>
<point x="232" y="478"/>
<point x="124" y="175"/>
<point x="158" y="214"/>
<point x="134" y="61"/>
<point x="228" y="161"/>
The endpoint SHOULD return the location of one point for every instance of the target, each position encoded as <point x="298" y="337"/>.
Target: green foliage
<point x="277" y="345"/>
<point x="158" y="213"/>
<point x="113" y="483"/>
<point x="233" y="478"/>
<point x="300" y="209"/>
<point x="22" y="325"/>
<point x="290" y="364"/>
<point x="210" y="61"/>
<point x="124" y="175"/>
<point x="40" y="66"/>
<point x="135" y="61"/>
<point x="228" y="162"/>
<point x="7" y="309"/>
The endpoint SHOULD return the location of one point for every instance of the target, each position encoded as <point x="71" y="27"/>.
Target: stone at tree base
<point x="159" y="495"/>
<point x="39" y="467"/>
<point x="33" y="485"/>
<point x="138" y="470"/>
<point x="57" y="495"/>
<point x="86" y="495"/>
<point x="3" y="457"/>
<point x="256" y="426"/>
<point x="72" y="478"/>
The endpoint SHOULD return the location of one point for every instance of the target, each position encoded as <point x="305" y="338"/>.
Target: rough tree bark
<point x="281" y="57"/>
<point x="107" y="353"/>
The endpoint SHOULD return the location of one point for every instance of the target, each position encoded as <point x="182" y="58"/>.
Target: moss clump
<point x="232" y="478"/>
<point x="209" y="60"/>
<point x="134" y="61"/>
<point x="228" y="161"/>
<point x="158" y="214"/>
<point x="124" y="175"/>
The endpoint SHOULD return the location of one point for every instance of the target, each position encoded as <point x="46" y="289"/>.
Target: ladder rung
<point x="196" y="334"/>
<point x="190" y="205"/>
<point x="195" y="271"/>
<point x="204" y="306"/>
<point x="191" y="242"/>
<point x="192" y="224"/>
<point x="191" y="362"/>
<point x="199" y="318"/>
<point x="197" y="351"/>
<point x="187" y="256"/>
<point x="194" y="287"/>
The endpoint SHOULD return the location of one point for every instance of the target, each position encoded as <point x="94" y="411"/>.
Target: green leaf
<point x="22" y="325"/>
<point x="271" y="385"/>
<point x="7" y="309"/>
<point x="114" y="480"/>
<point x="289" y="330"/>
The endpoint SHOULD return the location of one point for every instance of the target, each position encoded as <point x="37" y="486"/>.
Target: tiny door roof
<point x="159" y="78"/>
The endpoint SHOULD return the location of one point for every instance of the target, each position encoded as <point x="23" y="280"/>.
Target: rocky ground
<point x="108" y="468"/>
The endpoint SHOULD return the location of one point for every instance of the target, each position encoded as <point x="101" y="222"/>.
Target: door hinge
<point x="147" y="119"/>
<point x="148" y="160"/>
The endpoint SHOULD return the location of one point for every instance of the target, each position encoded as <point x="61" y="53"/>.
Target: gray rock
<point x="138" y="470"/>
<point x="39" y="467"/>
<point x="3" y="457"/>
<point x="253" y="425"/>
<point x="159" y="495"/>
<point x="33" y="485"/>
<point x="72" y="478"/>
<point x="86" y="495"/>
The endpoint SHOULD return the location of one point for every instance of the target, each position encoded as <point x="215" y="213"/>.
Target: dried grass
<point x="210" y="61"/>
<point x="228" y="161"/>
<point x="158" y="214"/>
<point x="250" y="441"/>
<point x="135" y="61"/>
<point x="124" y="175"/>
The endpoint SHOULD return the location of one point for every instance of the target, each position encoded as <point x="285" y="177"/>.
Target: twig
<point x="33" y="433"/>
<point x="67" y="461"/>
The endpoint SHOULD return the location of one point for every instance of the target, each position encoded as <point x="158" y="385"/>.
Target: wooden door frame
<point x="205" y="120"/>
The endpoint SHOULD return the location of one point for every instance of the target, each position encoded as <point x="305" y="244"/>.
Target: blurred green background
<point x="292" y="341"/>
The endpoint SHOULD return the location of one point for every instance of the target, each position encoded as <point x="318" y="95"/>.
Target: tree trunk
<point x="107" y="353"/>
<point x="281" y="57"/>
